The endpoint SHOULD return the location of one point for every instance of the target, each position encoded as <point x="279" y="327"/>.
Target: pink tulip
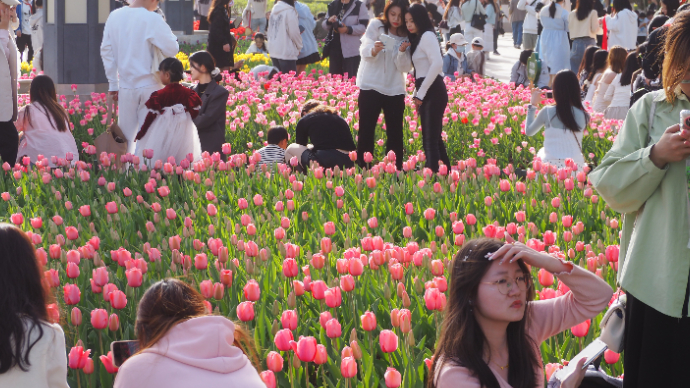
<point x="274" y="361"/>
<point x="348" y="367"/>
<point x="305" y="348"/>
<point x="326" y="245"/>
<point x="321" y="356"/>
<point x="77" y="357"/>
<point x="282" y="340"/>
<point x="355" y="266"/>
<point x="549" y="237"/>
<point x="409" y="208"/>
<point x="72" y="294"/>
<point x="368" y="321"/>
<point x="581" y="330"/>
<point x="107" y="362"/>
<point x="550" y="368"/>
<point x="100" y="276"/>
<point x="612" y="253"/>
<point x="99" y="319"/>
<point x="556" y="202"/>
<point x="405" y="320"/>
<point x="392" y="378"/>
<point x="201" y="261"/>
<point x="290" y="268"/>
<point x="289" y="319"/>
<point x="318" y="289"/>
<point x="258" y="200"/>
<point x="611" y="357"/>
<point x="113" y="322"/>
<point x="333" y="328"/>
<point x="72" y="270"/>
<point x="88" y="367"/>
<point x="17" y="219"/>
<point x="134" y="277"/>
<point x="72" y="233"/>
<point x="118" y="299"/>
<point x="545" y="277"/>
<point x="252" y="291"/>
<point x="170" y="214"/>
<point x="245" y="311"/>
<point x="75" y="316"/>
<point x="347" y="283"/>
<point x="373" y="222"/>
<point x="431" y="298"/>
<point x="37" y="223"/>
<point x="429" y="214"/>
<point x="111" y="207"/>
<point x="268" y="378"/>
<point x="333" y="297"/>
<point x="329" y="228"/>
<point x="388" y="341"/>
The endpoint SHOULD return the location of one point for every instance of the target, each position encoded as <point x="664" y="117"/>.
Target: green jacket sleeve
<point x="627" y="177"/>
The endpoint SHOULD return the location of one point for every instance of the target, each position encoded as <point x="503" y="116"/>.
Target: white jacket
<point x="385" y="72"/>
<point x="622" y="29"/>
<point x="530" y="25"/>
<point x="8" y="76"/>
<point x="283" y="32"/>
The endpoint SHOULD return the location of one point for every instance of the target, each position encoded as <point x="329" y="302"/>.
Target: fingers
<point x="673" y="129"/>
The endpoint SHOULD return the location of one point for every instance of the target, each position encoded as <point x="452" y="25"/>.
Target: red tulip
<point x="226" y="277"/>
<point x="118" y="299"/>
<point x="282" y="340"/>
<point x="252" y="292"/>
<point x="581" y="329"/>
<point x="274" y="361"/>
<point x="268" y="378"/>
<point x="108" y="363"/>
<point x="77" y="357"/>
<point x="348" y="367"/>
<point x="392" y="378"/>
<point x="409" y="208"/>
<point x="545" y="278"/>
<point x="245" y="311"/>
<point x="99" y="319"/>
<point x="388" y="341"/>
<point x="72" y="294"/>
<point x="333" y="328"/>
<point x="305" y="348"/>
<point x="368" y="321"/>
<point x="611" y="357"/>
<point x="289" y="319"/>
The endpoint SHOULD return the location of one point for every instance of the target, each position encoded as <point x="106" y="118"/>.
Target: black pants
<point x="285" y="65"/>
<point x="326" y="159"/>
<point x="9" y="142"/>
<point x="495" y="39"/>
<point x="340" y="65"/>
<point x="371" y="103"/>
<point x="431" y="118"/>
<point x="657" y="347"/>
<point x="203" y="23"/>
<point x="22" y="42"/>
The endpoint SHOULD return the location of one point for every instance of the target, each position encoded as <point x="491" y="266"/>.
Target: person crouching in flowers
<point x="181" y="345"/>
<point x="169" y="128"/>
<point x="493" y="327"/>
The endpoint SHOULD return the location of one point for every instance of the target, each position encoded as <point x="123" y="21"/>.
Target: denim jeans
<point x="285" y="65"/>
<point x="578" y="51"/>
<point x="517" y="32"/>
<point x="259" y="25"/>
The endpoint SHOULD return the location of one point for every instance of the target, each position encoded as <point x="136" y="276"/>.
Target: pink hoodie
<point x="194" y="353"/>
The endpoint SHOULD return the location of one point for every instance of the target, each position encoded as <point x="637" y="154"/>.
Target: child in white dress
<point x="169" y="128"/>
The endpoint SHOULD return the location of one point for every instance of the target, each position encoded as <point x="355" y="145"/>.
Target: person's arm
<point x="514" y="72"/>
<point x="56" y="359"/>
<point x="216" y="107"/>
<point x="522" y="5"/>
<point x="154" y="108"/>
<point x="309" y="21"/>
<point x="611" y="89"/>
<point x="293" y="29"/>
<point x="20" y="124"/>
<point x="612" y="24"/>
<point x="532" y="124"/>
<point x="627" y="177"/>
<point x="429" y="47"/>
<point x="593" y="22"/>
<point x="193" y="104"/>
<point x="371" y="35"/>
<point x="588" y="296"/>
<point x="402" y="60"/>
<point x="302" y="132"/>
<point x="161" y="36"/>
<point x="108" y="58"/>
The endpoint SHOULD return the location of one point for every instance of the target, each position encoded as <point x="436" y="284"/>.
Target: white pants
<point x="471" y="33"/>
<point x="294" y="149"/>
<point x="132" y="111"/>
<point x="488" y="38"/>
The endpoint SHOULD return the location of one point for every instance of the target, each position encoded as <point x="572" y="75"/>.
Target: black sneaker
<point x="496" y="52"/>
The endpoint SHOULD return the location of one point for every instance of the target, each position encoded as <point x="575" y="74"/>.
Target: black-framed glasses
<point x="506" y="285"/>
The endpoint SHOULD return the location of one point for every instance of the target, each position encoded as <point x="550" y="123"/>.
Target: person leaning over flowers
<point x="644" y="176"/>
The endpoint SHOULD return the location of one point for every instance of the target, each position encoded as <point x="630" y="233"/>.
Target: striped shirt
<point x="271" y="154"/>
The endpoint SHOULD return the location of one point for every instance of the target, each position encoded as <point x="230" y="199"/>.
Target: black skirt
<point x="657" y="347"/>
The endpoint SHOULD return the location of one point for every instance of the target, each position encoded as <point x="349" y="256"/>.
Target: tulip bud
<point x="410" y="339"/>
<point x="292" y="302"/>
<point x="356" y="350"/>
<point x="275" y="328"/>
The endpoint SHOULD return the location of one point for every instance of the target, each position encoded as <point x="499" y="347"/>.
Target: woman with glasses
<point x="493" y="327"/>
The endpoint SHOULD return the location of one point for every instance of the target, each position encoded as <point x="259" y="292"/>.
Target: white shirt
<point x="48" y="358"/>
<point x="26" y="15"/>
<point x="622" y="29"/>
<point x="617" y="94"/>
<point x="385" y="72"/>
<point x="37" y="25"/>
<point x="41" y="137"/>
<point x="427" y="61"/>
<point x="559" y="143"/>
<point x="126" y="49"/>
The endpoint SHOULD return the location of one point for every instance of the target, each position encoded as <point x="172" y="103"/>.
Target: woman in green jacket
<point x="645" y="177"/>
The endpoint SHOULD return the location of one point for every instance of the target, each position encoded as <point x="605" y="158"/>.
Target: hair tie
<point x="215" y="72"/>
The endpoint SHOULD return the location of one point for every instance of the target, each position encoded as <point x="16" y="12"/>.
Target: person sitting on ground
<point x="274" y="152"/>
<point x="45" y="126"/>
<point x="475" y="58"/>
<point x="32" y="350"/>
<point x="455" y="60"/>
<point x="264" y="72"/>
<point x="493" y="327"/>
<point x="258" y="46"/>
<point x="169" y="128"/>
<point x="329" y="134"/>
<point x="182" y="345"/>
<point x="518" y="74"/>
<point x="563" y="122"/>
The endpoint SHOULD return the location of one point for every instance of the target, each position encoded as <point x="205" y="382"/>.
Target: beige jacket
<point x="8" y="81"/>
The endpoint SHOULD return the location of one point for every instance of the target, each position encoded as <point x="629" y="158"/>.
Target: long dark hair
<point x="205" y="59"/>
<point x="632" y="64"/>
<point x="42" y="91"/>
<point x="24" y="296"/>
<point x="451" y="3"/>
<point x="584" y="8"/>
<point x="566" y="93"/>
<point x="552" y="8"/>
<point x="587" y="58"/>
<point x="599" y="62"/>
<point x="170" y="302"/>
<point x="174" y="67"/>
<point x="218" y="6"/>
<point x="421" y="20"/>
<point x="619" y="5"/>
<point x="462" y="340"/>
<point x="402" y="4"/>
<point x="671" y="7"/>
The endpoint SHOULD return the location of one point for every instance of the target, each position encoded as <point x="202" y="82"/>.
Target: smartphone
<point x="122" y="350"/>
<point x="549" y="94"/>
<point x="388" y="42"/>
<point x="684" y="123"/>
<point x="590" y="353"/>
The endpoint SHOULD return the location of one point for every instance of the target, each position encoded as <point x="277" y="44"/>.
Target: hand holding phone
<point x="589" y="354"/>
<point x="685" y="124"/>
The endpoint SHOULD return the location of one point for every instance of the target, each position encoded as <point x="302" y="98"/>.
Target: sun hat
<point x="478" y="41"/>
<point x="458" y="39"/>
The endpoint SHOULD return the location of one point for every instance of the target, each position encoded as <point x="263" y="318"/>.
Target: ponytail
<point x="552" y="9"/>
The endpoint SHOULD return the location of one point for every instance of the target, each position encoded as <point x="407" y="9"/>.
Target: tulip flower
<point x="347" y="283"/>
<point x="348" y="367"/>
<point x="88" y="366"/>
<point x="71" y="233"/>
<point x="282" y="340"/>
<point x="289" y="319"/>
<point x="611" y="357"/>
<point x="134" y="277"/>
<point x="77" y="357"/>
<point x="72" y="294"/>
<point x="545" y="277"/>
<point x="321" y="356"/>
<point x="245" y="311"/>
<point x="318" y="289"/>
<point x="290" y="268"/>
<point x="333" y="328"/>
<point x="17" y="219"/>
<point x="581" y="330"/>
<point x="113" y="322"/>
<point x="392" y="378"/>
<point x="368" y="321"/>
<point x="252" y="292"/>
<point x="72" y="270"/>
<point x="268" y="378"/>
<point x="75" y="316"/>
<point x="274" y="361"/>
<point x="388" y="341"/>
<point x="118" y="299"/>
<point x="107" y="362"/>
<point x="99" y="319"/>
<point x="305" y="348"/>
<point x="333" y="297"/>
<point x="111" y="207"/>
<point x="405" y="320"/>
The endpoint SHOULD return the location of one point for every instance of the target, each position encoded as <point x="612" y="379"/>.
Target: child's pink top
<point x="42" y="137"/>
<point x="588" y="296"/>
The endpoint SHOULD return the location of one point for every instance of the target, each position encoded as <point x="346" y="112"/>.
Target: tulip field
<point x="341" y="276"/>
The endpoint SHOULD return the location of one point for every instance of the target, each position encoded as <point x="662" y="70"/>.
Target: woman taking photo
<point x="221" y="43"/>
<point x="210" y="122"/>
<point x="553" y="45"/>
<point x="644" y="177"/>
<point x="381" y="80"/>
<point x="563" y="123"/>
<point x="615" y="64"/>
<point x="284" y="35"/>
<point x="181" y="345"/>
<point x="622" y="25"/>
<point x="430" y="96"/>
<point x="583" y="25"/>
<point x="493" y="327"/>
<point x="32" y="350"/>
<point x="348" y="20"/>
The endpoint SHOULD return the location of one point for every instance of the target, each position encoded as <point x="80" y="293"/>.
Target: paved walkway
<point x="499" y="66"/>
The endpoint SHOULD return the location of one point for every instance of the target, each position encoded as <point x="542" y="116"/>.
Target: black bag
<point x="326" y="52"/>
<point x="538" y="8"/>
<point x="478" y="20"/>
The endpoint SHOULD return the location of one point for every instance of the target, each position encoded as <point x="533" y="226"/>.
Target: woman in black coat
<point x="221" y="43"/>
<point x="210" y="123"/>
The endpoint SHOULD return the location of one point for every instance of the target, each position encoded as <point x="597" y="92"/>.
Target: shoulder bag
<point x="112" y="141"/>
<point x="478" y="20"/>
